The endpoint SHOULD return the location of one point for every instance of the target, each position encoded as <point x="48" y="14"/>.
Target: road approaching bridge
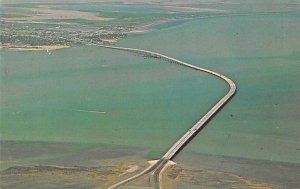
<point x="156" y="168"/>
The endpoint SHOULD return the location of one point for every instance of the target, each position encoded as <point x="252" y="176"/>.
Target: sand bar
<point x="36" y="48"/>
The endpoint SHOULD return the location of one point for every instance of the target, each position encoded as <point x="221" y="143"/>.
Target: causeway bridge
<point x="156" y="168"/>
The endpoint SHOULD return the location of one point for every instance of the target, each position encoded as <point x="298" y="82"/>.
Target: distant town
<point x="17" y="35"/>
<point x="44" y="25"/>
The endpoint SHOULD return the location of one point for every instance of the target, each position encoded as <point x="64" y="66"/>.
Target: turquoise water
<point x="262" y="54"/>
<point x="149" y="103"/>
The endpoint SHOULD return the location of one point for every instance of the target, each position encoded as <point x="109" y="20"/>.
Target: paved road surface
<point x="156" y="168"/>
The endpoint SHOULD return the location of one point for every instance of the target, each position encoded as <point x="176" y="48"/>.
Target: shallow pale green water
<point x="149" y="103"/>
<point x="262" y="54"/>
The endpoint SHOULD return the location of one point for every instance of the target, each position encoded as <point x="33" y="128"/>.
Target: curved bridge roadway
<point x="156" y="168"/>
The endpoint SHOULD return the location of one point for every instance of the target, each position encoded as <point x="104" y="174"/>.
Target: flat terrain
<point x="26" y="24"/>
<point x="72" y="166"/>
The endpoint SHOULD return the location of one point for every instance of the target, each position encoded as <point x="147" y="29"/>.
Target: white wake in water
<point x="89" y="111"/>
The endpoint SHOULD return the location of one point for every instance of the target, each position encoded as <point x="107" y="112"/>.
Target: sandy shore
<point x="247" y="173"/>
<point x="36" y="48"/>
<point x="99" y="166"/>
<point x="191" y="9"/>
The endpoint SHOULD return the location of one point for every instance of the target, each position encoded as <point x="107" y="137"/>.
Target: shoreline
<point x="106" y="164"/>
<point x="232" y="172"/>
<point x="35" y="48"/>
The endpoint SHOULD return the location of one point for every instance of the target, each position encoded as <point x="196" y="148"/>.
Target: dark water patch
<point x="62" y="154"/>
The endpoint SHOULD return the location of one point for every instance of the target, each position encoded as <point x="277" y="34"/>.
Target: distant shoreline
<point x="35" y="48"/>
